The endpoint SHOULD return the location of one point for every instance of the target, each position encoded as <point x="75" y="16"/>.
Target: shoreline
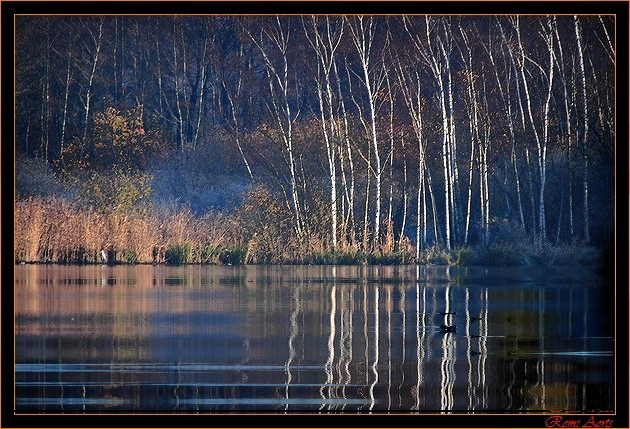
<point x="499" y="256"/>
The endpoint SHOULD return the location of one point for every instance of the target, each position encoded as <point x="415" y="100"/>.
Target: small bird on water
<point x="446" y="329"/>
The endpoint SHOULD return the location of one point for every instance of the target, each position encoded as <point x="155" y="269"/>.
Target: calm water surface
<point x="296" y="338"/>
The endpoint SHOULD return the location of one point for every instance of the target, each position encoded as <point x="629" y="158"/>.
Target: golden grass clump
<point x="59" y="231"/>
<point x="260" y="231"/>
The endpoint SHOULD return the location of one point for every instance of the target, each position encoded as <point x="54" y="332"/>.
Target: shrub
<point x="210" y="254"/>
<point x="33" y="177"/>
<point x="130" y="257"/>
<point x="234" y="256"/>
<point x="571" y="255"/>
<point x="506" y="255"/>
<point x="463" y="256"/>
<point x="435" y="256"/>
<point x="179" y="254"/>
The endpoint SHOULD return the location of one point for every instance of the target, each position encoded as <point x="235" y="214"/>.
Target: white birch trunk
<point x="278" y="80"/>
<point x="88" y="93"/>
<point x="363" y="36"/>
<point x="578" y="35"/>
<point x="325" y="47"/>
<point x="65" y="110"/>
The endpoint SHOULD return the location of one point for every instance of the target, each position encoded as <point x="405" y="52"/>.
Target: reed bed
<point x="59" y="231"/>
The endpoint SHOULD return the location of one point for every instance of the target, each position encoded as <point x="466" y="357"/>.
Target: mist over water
<point x="312" y="338"/>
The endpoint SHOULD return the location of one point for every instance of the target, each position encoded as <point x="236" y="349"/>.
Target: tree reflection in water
<point x="287" y="339"/>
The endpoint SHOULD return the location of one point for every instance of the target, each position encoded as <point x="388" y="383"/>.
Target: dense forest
<point x="314" y="139"/>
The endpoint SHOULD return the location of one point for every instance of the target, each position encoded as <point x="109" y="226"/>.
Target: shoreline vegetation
<point x="347" y="140"/>
<point x="58" y="231"/>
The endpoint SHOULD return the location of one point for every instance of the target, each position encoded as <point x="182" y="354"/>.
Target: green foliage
<point x="507" y="255"/>
<point x="118" y="140"/>
<point x="117" y="190"/>
<point x="336" y="257"/>
<point x="130" y="257"/>
<point x="179" y="254"/>
<point x="463" y="255"/>
<point x="350" y="257"/>
<point x="210" y="254"/>
<point x="108" y="164"/>
<point x="435" y="256"/>
<point x="87" y="256"/>
<point x="265" y="226"/>
<point x="235" y="256"/>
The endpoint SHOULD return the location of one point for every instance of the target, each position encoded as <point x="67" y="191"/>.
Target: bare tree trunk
<point x="436" y="234"/>
<point x="541" y="141"/>
<point x="485" y="144"/>
<point x="391" y="149"/>
<point x="363" y="36"/>
<point x="278" y="79"/>
<point x="88" y="93"/>
<point x="366" y="237"/>
<point x="454" y="169"/>
<point x="482" y="192"/>
<point x="448" y="184"/>
<point x="423" y="185"/>
<point x="610" y="50"/>
<point x="578" y="35"/>
<point x="531" y="193"/>
<point x="64" y="116"/>
<point x="421" y="234"/>
<point x="569" y="134"/>
<point x="368" y="160"/>
<point x="437" y="66"/>
<point x="181" y="135"/>
<point x="504" y="91"/>
<point x="405" y="196"/>
<point x="349" y="189"/>
<point x="325" y="47"/>
<point x="159" y="78"/>
<point x="236" y="126"/>
<point x="409" y="84"/>
<point x="484" y="181"/>
<point x="470" y="186"/>
<point x="233" y="96"/>
<point x="331" y="154"/>
<point x="202" y="86"/>
<point x="473" y="122"/>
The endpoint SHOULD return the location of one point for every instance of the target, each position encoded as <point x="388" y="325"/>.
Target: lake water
<point x="311" y="338"/>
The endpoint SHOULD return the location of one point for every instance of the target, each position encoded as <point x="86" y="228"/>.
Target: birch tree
<point x="584" y="136"/>
<point x="232" y="81"/>
<point x="411" y="90"/>
<point x="325" y="42"/>
<point x="363" y="30"/>
<point x="436" y="51"/>
<point x="346" y="156"/>
<point x="97" y="40"/>
<point x="273" y="41"/>
<point x="541" y="135"/>
<point x="568" y="100"/>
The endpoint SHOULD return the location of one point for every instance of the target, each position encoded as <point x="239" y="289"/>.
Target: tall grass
<point x="58" y="231"/>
